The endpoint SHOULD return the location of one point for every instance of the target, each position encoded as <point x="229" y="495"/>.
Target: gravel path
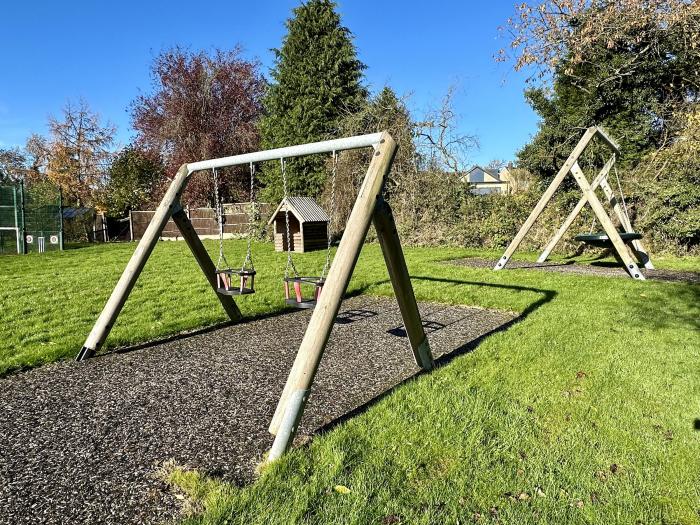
<point x="81" y="442"/>
<point x="675" y="276"/>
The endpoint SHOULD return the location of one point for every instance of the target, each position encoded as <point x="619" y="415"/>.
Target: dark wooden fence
<point x="236" y="220"/>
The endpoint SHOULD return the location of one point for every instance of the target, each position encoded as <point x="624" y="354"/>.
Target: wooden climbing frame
<point x="626" y="254"/>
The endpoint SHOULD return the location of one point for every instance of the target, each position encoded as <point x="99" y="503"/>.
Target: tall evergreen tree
<point x="317" y="79"/>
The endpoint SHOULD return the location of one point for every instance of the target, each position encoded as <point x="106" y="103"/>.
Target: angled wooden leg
<point x="205" y="263"/>
<point x="546" y="197"/>
<point x="599" y="179"/>
<point x="133" y="269"/>
<point x="607" y="224"/>
<point x="401" y="281"/>
<point x="637" y="247"/>
<point x="296" y="391"/>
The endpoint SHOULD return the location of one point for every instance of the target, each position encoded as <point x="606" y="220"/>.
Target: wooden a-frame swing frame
<point x="369" y="207"/>
<point x="624" y="252"/>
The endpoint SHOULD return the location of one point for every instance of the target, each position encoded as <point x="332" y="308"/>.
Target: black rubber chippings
<point x="81" y="442"/>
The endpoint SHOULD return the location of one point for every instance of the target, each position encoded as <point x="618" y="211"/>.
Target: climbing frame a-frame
<point x="369" y="207"/>
<point x="571" y="166"/>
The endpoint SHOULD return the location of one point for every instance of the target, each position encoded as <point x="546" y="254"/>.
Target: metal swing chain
<point x="251" y="218"/>
<point x="290" y="261"/>
<point x="220" y="221"/>
<point x="622" y="196"/>
<point x="330" y="224"/>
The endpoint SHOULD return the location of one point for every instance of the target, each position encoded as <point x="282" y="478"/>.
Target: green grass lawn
<point x="586" y="411"/>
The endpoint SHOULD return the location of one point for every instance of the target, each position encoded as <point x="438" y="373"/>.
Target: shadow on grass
<point x="679" y="308"/>
<point x="467" y="347"/>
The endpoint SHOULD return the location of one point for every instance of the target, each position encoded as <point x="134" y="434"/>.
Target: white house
<point x="484" y="181"/>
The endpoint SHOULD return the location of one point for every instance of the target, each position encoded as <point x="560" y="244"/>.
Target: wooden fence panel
<point x="236" y="220"/>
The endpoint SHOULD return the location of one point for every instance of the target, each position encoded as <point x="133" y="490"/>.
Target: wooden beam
<point x="296" y="391"/>
<point x="599" y="179"/>
<point x="401" y="281"/>
<point x="546" y="197"/>
<point x="133" y="269"/>
<point x="193" y="241"/>
<point x="603" y="135"/>
<point x="637" y="246"/>
<point x="607" y="224"/>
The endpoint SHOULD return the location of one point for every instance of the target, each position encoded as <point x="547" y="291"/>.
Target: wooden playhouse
<point x="308" y="225"/>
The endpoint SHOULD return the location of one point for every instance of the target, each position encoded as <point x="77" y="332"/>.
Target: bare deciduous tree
<point x="12" y="164"/>
<point x="439" y="142"/>
<point x="78" y="152"/>
<point x="562" y="34"/>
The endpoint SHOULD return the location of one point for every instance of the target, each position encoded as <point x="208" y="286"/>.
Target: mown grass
<point x="584" y="412"/>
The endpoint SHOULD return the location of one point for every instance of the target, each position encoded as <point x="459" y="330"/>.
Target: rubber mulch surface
<point x="675" y="276"/>
<point x="81" y="442"/>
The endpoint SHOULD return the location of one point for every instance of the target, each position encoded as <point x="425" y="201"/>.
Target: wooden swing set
<point x="626" y="244"/>
<point x="369" y="207"/>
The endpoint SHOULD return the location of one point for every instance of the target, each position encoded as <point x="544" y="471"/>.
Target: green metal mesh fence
<point x="30" y="218"/>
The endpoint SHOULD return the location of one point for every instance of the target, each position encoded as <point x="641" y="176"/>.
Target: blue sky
<point x="101" y="51"/>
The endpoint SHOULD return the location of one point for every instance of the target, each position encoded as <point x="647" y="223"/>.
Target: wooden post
<point x="599" y="180"/>
<point x="296" y="391"/>
<point x="131" y="226"/>
<point x="607" y="224"/>
<point x="637" y="246"/>
<point x="401" y="281"/>
<point x="205" y="263"/>
<point x="133" y="269"/>
<point x="546" y="197"/>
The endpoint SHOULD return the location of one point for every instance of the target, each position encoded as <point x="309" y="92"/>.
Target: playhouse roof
<point x="305" y="209"/>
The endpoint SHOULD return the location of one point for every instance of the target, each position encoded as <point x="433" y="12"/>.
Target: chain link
<point x="332" y="216"/>
<point x="220" y="221"/>
<point x="252" y="216"/>
<point x="622" y="197"/>
<point x="290" y="261"/>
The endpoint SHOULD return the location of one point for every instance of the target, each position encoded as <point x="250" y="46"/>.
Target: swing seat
<point x="301" y="288"/>
<point x="235" y="282"/>
<point x="601" y="239"/>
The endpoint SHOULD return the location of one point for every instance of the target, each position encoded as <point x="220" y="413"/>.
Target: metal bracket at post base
<point x="426" y="355"/>
<point x="501" y="263"/>
<point x="288" y="425"/>
<point x="85" y="353"/>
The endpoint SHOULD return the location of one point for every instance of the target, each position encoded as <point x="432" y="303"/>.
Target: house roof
<point x="494" y="173"/>
<point x="305" y="209"/>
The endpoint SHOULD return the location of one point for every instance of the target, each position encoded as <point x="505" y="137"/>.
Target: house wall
<point x="486" y="188"/>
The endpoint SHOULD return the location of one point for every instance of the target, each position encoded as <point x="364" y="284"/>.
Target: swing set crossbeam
<point x="302" y="150"/>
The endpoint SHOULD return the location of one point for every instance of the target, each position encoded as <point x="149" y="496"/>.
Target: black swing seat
<point x="297" y="296"/>
<point x="235" y="282"/>
<point x="601" y="239"/>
